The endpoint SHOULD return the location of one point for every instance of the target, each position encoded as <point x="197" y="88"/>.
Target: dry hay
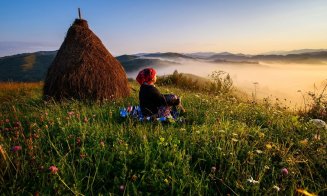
<point x="84" y="69"/>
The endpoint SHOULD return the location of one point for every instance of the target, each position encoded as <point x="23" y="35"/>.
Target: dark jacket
<point x="150" y="99"/>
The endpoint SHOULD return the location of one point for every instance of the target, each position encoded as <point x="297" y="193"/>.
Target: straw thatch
<point x="84" y="69"/>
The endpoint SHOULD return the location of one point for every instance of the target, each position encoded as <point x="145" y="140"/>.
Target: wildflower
<point x="53" y="169"/>
<point x="162" y="119"/>
<point x="221" y="131"/>
<point x="251" y="180"/>
<point x="35" y="136"/>
<point x="276" y="187"/>
<point x="305" y="192"/>
<point x="85" y="120"/>
<point x="268" y="146"/>
<point x="122" y="188"/>
<point x="213" y="169"/>
<point x="71" y="113"/>
<point x="123" y="112"/>
<point x="134" y="178"/>
<point x="78" y="141"/>
<point x="166" y="181"/>
<point x="162" y="139"/>
<point x="267" y="167"/>
<point x="304" y="142"/>
<point x="261" y="135"/>
<point x="234" y="134"/>
<point x="198" y="132"/>
<point x="320" y="124"/>
<point x="16" y="148"/>
<point x="41" y="168"/>
<point x="234" y="140"/>
<point x="102" y="144"/>
<point x="17" y="124"/>
<point x="7" y="120"/>
<point x="259" y="151"/>
<point x="284" y="171"/>
<point x="82" y="155"/>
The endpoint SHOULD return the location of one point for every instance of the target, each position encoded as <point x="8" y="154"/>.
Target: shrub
<point x="220" y="82"/>
<point x="318" y="107"/>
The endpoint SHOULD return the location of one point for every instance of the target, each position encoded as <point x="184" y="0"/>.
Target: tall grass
<point x="226" y="146"/>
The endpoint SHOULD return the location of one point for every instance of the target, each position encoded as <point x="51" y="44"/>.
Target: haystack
<point x="84" y="69"/>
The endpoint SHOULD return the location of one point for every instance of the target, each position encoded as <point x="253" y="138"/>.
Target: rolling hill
<point x="31" y="67"/>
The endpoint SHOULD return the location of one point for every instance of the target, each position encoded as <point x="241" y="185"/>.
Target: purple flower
<point x="53" y="169"/>
<point x="122" y="188"/>
<point x="16" y="148"/>
<point x="284" y="171"/>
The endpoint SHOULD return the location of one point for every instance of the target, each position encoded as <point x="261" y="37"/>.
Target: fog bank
<point x="281" y="81"/>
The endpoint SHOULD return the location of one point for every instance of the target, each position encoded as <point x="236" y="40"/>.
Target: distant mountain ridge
<point x="301" y="51"/>
<point x="30" y="67"/>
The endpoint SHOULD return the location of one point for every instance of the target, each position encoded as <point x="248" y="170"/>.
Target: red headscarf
<point x="146" y="75"/>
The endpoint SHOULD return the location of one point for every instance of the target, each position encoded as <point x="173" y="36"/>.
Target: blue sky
<point x="134" y="26"/>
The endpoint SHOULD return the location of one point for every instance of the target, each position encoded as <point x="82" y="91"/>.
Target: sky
<point x="137" y="26"/>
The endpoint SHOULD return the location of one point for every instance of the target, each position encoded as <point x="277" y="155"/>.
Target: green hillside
<point x="30" y="67"/>
<point x="223" y="146"/>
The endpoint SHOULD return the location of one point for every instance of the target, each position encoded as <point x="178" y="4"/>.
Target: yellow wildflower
<point x="304" y="142"/>
<point x="261" y="135"/>
<point x="268" y="146"/>
<point x="166" y="181"/>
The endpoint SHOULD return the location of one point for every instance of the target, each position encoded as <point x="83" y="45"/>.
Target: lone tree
<point x="84" y="69"/>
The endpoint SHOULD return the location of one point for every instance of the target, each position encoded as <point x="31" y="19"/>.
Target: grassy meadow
<point x="226" y="145"/>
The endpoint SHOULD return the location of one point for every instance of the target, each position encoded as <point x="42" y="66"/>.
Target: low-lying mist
<point x="263" y="80"/>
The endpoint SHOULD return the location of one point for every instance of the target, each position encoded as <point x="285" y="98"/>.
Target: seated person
<point x="152" y="102"/>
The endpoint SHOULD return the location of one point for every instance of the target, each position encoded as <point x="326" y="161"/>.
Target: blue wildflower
<point x="123" y="112"/>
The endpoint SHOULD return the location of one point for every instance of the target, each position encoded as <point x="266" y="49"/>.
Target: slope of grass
<point x="226" y="146"/>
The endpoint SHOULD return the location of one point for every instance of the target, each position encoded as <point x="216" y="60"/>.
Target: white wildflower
<point x="234" y="140"/>
<point x="251" y="180"/>
<point x="276" y="187"/>
<point x="259" y="151"/>
<point x="221" y="131"/>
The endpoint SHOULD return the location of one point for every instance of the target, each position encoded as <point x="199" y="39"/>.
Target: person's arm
<point x="158" y="98"/>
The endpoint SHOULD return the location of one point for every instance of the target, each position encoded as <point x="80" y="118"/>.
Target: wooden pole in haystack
<point x="79" y="13"/>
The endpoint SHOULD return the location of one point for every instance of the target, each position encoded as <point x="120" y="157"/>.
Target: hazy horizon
<point x="274" y="80"/>
<point x="129" y="27"/>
